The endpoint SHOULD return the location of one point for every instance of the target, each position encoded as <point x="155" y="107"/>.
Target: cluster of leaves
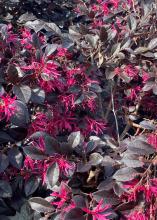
<point x="78" y="108"/>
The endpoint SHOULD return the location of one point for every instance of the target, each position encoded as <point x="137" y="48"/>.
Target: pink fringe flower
<point x="99" y="212"/>
<point x="94" y="126"/>
<point x="63" y="195"/>
<point x="7" y="107"/>
<point x="137" y="215"/>
<point x="152" y="139"/>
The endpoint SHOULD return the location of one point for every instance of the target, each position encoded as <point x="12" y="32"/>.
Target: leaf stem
<point x="114" y="112"/>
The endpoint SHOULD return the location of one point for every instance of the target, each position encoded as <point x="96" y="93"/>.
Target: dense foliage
<point x="78" y="103"/>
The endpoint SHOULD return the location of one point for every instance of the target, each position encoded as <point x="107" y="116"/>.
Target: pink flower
<point x="63" y="195"/>
<point x="64" y="122"/>
<point x="35" y="167"/>
<point x="95" y="7"/>
<point x="149" y="190"/>
<point x="97" y="23"/>
<point x="117" y="70"/>
<point x="42" y="123"/>
<point x="40" y="143"/>
<point x="90" y="104"/>
<point x="7" y="107"/>
<point x="26" y="38"/>
<point x="63" y="52"/>
<point x="129" y="2"/>
<point x="44" y="66"/>
<point x="50" y="85"/>
<point x="133" y="93"/>
<point x="130" y="71"/>
<point x="65" y="166"/>
<point x="137" y="215"/>
<point x="12" y="37"/>
<point x="99" y="212"/>
<point x="94" y="126"/>
<point x="46" y="74"/>
<point x="68" y="101"/>
<point x="29" y="163"/>
<point x="99" y="1"/>
<point x="145" y="76"/>
<point x="105" y="8"/>
<point x="115" y="3"/>
<point x="152" y="139"/>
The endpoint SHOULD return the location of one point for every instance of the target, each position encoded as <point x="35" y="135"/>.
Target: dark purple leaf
<point x="95" y="88"/>
<point x="21" y="116"/>
<point x="140" y="147"/>
<point x="106" y="184"/>
<point x="79" y="99"/>
<point x="75" y="139"/>
<point x="4" y="162"/>
<point x="118" y="189"/>
<point x="35" y="41"/>
<point x="95" y="159"/>
<point x="5" y="189"/>
<point x="22" y="92"/>
<point x="131" y="160"/>
<point x="50" y="49"/>
<point x="31" y="185"/>
<point x="107" y="196"/>
<point x="147" y="125"/>
<point x="152" y="44"/>
<point x="17" y="133"/>
<point x="132" y="23"/>
<point x="15" y="158"/>
<point x="52" y="175"/>
<point x="34" y="153"/>
<point x="155" y="89"/>
<point x="40" y="205"/>
<point x="82" y="168"/>
<point x="51" y="145"/>
<point x="103" y="34"/>
<point x="79" y="201"/>
<point x="125" y="174"/>
<point x="90" y="147"/>
<point x="4" y="137"/>
<point x="74" y="214"/>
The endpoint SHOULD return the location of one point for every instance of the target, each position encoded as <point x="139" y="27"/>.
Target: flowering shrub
<point x="78" y="113"/>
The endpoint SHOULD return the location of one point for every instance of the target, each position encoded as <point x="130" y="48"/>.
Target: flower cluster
<point x="78" y="105"/>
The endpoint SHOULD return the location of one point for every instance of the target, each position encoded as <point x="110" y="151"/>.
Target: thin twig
<point x="101" y="106"/>
<point x="115" y="116"/>
<point x="130" y="123"/>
